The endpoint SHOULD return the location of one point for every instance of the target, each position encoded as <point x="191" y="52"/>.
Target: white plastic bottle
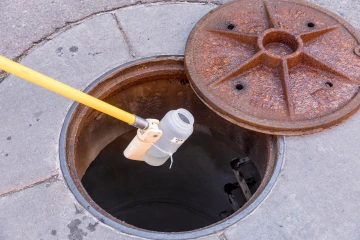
<point x="177" y="126"/>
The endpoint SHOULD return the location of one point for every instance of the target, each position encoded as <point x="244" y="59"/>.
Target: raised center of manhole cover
<point x="219" y="172"/>
<point x="281" y="67"/>
<point x="279" y="43"/>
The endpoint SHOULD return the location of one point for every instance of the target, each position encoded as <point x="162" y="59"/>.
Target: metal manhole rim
<point x="268" y="182"/>
<point x="298" y="127"/>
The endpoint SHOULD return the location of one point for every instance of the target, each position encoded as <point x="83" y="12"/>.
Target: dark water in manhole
<point x="187" y="197"/>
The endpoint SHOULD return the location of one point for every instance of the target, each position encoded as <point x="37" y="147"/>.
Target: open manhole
<point x="219" y="175"/>
<point x="276" y="67"/>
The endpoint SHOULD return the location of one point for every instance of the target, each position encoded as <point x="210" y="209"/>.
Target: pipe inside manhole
<point x="203" y="192"/>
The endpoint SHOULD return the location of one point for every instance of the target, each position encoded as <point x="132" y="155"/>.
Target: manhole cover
<point x="280" y="67"/>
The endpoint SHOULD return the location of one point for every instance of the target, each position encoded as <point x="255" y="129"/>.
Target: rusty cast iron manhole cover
<point x="279" y="67"/>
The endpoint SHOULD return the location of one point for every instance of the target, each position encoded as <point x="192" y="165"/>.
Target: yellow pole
<point x="30" y="75"/>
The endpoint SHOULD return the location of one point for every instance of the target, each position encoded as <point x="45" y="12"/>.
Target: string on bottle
<point x="170" y="154"/>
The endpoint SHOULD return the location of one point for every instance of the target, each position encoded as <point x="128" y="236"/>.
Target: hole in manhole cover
<point x="220" y="171"/>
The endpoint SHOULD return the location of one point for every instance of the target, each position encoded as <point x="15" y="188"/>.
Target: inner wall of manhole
<point x="203" y="192"/>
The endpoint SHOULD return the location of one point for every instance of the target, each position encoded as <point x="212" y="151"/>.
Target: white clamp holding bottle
<point x="177" y="126"/>
<point x="143" y="141"/>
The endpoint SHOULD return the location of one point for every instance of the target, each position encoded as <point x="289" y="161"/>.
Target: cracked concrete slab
<point x="166" y="33"/>
<point x="316" y="195"/>
<point x="31" y="117"/>
<point x="42" y="18"/>
<point x="49" y="211"/>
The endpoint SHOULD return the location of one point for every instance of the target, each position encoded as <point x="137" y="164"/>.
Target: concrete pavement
<point x="316" y="196"/>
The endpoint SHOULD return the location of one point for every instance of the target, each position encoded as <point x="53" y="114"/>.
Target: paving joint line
<point x="222" y="236"/>
<point x="126" y="39"/>
<point x="51" y="179"/>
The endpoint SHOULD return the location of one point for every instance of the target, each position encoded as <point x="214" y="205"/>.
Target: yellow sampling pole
<point x="37" y="78"/>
